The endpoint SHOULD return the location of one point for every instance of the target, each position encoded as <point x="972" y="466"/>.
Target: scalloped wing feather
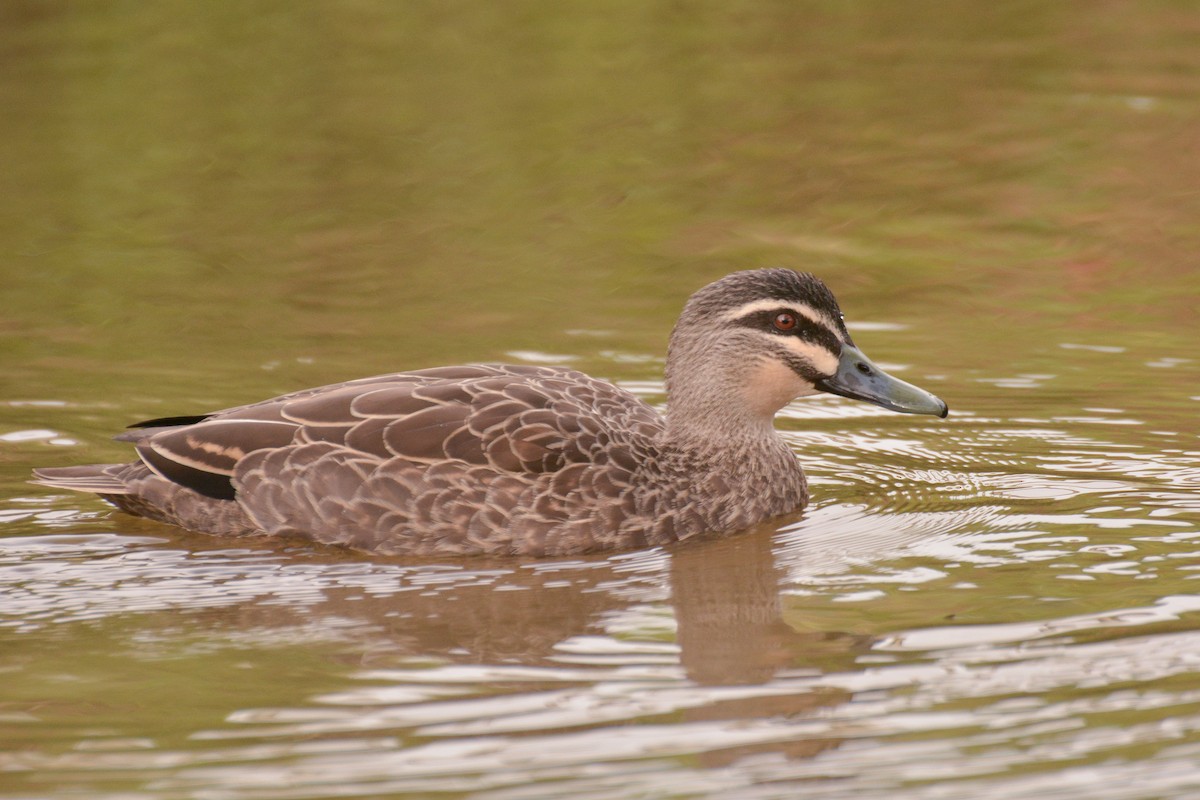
<point x="442" y="459"/>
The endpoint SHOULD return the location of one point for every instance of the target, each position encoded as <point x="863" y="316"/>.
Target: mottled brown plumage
<point x="516" y="459"/>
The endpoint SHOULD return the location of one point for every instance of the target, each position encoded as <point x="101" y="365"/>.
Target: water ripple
<point x="966" y="607"/>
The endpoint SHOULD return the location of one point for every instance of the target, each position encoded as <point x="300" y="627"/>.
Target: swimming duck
<point x="525" y="460"/>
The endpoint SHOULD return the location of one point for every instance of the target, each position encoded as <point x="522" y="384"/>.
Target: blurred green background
<point x="191" y="191"/>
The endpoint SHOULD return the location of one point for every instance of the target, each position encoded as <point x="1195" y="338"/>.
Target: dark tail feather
<point x="98" y="478"/>
<point x="170" y="422"/>
<point x="144" y="430"/>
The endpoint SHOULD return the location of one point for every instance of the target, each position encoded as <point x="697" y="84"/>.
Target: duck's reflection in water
<point x="726" y="598"/>
<point x="536" y="631"/>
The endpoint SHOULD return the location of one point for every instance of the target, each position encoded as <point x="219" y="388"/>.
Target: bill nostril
<point x="863" y="368"/>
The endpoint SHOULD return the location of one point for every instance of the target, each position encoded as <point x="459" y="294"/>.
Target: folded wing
<point x="505" y="419"/>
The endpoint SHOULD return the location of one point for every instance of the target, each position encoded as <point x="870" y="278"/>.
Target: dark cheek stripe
<point x="800" y="366"/>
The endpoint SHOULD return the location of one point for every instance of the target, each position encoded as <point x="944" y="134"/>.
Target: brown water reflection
<point x="724" y="598"/>
<point x="545" y="628"/>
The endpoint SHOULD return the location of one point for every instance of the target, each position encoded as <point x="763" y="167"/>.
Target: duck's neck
<point x="709" y="425"/>
<point x="719" y="444"/>
<point x="724" y="404"/>
<point x="711" y="416"/>
<point x="734" y="466"/>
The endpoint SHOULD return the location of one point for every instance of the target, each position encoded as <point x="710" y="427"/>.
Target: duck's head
<point x="756" y="340"/>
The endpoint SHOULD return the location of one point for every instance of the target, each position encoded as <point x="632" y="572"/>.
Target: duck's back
<point x="458" y="459"/>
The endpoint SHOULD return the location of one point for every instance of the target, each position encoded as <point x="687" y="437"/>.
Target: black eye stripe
<point x="805" y="329"/>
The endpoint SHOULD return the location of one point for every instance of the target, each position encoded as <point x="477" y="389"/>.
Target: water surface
<point x="203" y="207"/>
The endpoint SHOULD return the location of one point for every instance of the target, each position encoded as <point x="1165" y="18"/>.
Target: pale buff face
<point x="786" y="365"/>
<point x="772" y="385"/>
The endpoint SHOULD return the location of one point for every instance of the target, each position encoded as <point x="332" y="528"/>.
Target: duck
<point x="499" y="459"/>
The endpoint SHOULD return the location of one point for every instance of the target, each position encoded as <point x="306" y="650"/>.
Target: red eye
<point x="784" y="321"/>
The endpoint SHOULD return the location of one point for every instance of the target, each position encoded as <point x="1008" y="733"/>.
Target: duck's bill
<point x="859" y="379"/>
